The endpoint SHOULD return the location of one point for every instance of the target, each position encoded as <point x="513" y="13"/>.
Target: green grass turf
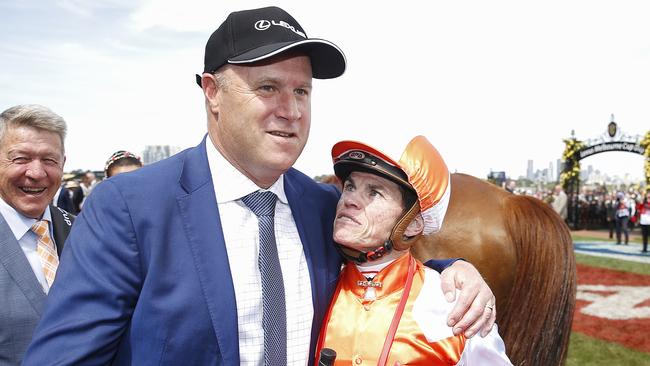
<point x="633" y="238"/>
<point x="584" y="350"/>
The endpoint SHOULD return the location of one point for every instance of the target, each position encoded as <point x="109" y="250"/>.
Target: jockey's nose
<point x="350" y="200"/>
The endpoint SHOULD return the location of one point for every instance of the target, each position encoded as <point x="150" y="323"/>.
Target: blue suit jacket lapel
<point x="16" y="264"/>
<point x="200" y="217"/>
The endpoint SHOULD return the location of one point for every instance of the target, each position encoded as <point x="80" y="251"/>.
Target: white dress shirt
<point x="21" y="228"/>
<point x="241" y="234"/>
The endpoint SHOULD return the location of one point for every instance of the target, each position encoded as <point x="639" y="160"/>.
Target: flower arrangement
<point x="571" y="162"/>
<point x="645" y="143"/>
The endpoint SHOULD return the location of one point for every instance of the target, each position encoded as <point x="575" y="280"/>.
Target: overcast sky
<point x="490" y="83"/>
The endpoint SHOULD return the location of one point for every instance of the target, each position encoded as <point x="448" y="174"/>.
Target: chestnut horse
<point x="524" y="251"/>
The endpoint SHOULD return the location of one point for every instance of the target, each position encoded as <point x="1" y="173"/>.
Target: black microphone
<point x="327" y="357"/>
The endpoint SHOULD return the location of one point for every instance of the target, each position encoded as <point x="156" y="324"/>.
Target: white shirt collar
<point x="373" y="267"/>
<point x="18" y="223"/>
<point x="230" y="184"/>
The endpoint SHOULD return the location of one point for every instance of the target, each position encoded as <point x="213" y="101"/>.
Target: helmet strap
<point x="362" y="257"/>
<point x="400" y="241"/>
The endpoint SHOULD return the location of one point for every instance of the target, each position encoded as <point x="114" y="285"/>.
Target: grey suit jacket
<point x="21" y="296"/>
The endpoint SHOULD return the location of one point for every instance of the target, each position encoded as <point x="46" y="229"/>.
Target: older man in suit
<point x="32" y="231"/>
<point x="221" y="254"/>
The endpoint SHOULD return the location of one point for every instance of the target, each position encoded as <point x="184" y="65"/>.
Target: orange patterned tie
<point x="46" y="251"/>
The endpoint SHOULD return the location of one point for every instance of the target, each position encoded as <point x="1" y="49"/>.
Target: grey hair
<point x="34" y="116"/>
<point x="223" y="82"/>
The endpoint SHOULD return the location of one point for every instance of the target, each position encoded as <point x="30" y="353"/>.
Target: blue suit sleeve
<point x="440" y="265"/>
<point x="96" y="287"/>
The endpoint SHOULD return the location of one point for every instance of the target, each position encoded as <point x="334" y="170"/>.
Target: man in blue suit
<point x="161" y="266"/>
<point x="31" y="166"/>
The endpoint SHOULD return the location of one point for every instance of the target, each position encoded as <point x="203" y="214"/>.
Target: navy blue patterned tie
<point x="274" y="310"/>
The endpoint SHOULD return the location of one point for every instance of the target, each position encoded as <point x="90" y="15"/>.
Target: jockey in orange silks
<point x="387" y="308"/>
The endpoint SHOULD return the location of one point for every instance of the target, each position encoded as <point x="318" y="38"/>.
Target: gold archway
<point x="576" y="150"/>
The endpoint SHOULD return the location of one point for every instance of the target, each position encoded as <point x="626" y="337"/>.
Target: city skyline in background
<point x="588" y="174"/>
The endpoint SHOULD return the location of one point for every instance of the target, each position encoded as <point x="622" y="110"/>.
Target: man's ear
<point x="416" y="226"/>
<point x="210" y="90"/>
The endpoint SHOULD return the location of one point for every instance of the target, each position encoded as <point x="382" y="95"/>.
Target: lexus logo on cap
<point x="262" y="24"/>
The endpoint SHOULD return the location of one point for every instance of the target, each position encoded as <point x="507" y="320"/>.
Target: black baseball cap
<point x="250" y="36"/>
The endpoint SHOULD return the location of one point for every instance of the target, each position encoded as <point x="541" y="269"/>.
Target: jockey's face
<point x="367" y="211"/>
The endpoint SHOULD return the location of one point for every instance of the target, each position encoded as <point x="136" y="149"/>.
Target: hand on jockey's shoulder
<point x="475" y="310"/>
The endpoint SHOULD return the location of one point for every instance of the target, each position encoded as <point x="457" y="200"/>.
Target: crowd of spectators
<point x="77" y="186"/>
<point x="596" y="205"/>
